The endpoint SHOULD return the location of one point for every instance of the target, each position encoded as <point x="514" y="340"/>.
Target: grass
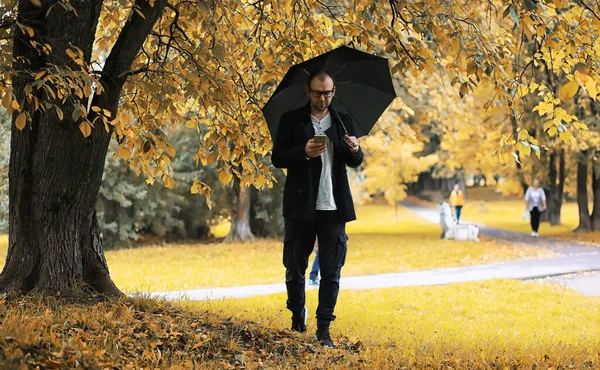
<point x="494" y="324"/>
<point x="491" y="324"/>
<point x="377" y="245"/>
<point x="3" y="246"/>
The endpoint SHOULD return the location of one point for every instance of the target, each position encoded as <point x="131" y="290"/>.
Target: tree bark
<point x="240" y="220"/>
<point x="596" y="192"/>
<point x="556" y="187"/>
<point x="585" y="222"/>
<point x="55" y="173"/>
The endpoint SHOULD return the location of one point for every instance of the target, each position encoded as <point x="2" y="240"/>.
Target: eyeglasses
<point x="317" y="94"/>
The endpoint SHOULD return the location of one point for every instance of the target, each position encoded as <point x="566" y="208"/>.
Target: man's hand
<point x="353" y="142"/>
<point x="313" y="150"/>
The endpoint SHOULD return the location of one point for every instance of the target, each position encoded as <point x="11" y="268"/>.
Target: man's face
<point x="320" y="92"/>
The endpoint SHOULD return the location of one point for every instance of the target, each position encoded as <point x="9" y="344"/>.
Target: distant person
<point x="314" y="271"/>
<point x="535" y="198"/>
<point x="457" y="200"/>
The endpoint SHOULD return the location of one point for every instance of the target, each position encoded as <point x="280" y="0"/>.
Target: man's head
<point x="456" y="187"/>
<point x="536" y="183"/>
<point x="320" y="90"/>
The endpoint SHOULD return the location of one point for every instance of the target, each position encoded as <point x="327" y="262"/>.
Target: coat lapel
<point x="333" y="132"/>
<point x="307" y="123"/>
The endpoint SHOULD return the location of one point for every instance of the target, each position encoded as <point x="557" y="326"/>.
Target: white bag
<point x="526" y="215"/>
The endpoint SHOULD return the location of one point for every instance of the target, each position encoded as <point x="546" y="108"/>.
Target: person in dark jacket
<point x="317" y="201"/>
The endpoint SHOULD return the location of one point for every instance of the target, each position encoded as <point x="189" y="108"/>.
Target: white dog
<point x="450" y="230"/>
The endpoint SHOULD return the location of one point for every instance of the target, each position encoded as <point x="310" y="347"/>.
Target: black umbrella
<point x="363" y="83"/>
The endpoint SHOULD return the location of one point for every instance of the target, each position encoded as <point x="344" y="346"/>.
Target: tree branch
<point x="130" y="41"/>
<point x="590" y="9"/>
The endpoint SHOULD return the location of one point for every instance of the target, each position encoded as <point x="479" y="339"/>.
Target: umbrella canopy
<point x="363" y="84"/>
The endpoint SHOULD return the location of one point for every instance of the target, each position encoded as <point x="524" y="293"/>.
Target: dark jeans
<point x="535" y="219"/>
<point x="298" y="243"/>
<point x="457" y="212"/>
<point x="314" y="271"/>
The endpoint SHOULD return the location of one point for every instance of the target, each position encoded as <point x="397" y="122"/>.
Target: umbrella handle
<point x="341" y="123"/>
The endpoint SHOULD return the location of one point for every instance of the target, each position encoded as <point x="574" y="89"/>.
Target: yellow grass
<point x="3" y="246"/>
<point x="508" y="323"/>
<point x="377" y="245"/>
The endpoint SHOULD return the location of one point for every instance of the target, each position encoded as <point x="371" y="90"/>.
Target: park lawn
<point x="3" y="247"/>
<point x="377" y="244"/>
<point x="489" y="324"/>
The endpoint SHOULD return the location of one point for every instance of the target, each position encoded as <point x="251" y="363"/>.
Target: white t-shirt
<point x="534" y="198"/>
<point x="325" y="199"/>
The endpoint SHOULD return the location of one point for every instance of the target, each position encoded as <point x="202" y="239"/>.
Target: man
<point x="317" y="201"/>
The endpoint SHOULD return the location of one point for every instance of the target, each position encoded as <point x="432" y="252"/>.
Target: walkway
<point x="573" y="258"/>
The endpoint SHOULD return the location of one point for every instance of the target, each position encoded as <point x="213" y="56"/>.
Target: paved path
<point x="573" y="258"/>
<point x="553" y="244"/>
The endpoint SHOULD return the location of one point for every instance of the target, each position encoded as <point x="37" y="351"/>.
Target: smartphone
<point x="321" y="139"/>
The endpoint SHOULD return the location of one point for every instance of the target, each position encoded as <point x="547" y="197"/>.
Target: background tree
<point x="75" y="72"/>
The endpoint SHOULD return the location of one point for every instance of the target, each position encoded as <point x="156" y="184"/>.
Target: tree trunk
<point x="556" y="187"/>
<point x="240" y="220"/>
<point x="585" y="222"/>
<point x="55" y="173"/>
<point x="596" y="192"/>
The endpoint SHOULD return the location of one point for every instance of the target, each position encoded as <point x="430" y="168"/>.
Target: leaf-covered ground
<point x="495" y="324"/>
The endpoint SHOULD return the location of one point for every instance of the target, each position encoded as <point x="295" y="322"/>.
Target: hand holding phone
<point x="316" y="146"/>
<point x="320" y="139"/>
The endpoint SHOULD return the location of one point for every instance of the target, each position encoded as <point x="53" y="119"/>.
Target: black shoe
<point x="299" y="321"/>
<point x="324" y="337"/>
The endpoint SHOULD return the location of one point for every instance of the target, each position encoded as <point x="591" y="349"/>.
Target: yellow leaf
<point x="170" y="150"/>
<point x="592" y="88"/>
<point x="85" y="129"/>
<point x="87" y="91"/>
<point x="21" y="121"/>
<point x="522" y="90"/>
<point x="212" y="158"/>
<point x="195" y="189"/>
<point x="140" y="13"/>
<point x="568" y="90"/>
<point x="71" y="54"/>
<point x="15" y="105"/>
<point x="225" y="176"/>
<point x="168" y="181"/>
<point x="548" y="124"/>
<point x="29" y="31"/>
<point x="6" y="100"/>
<point x="124" y="152"/>
<point x="260" y="181"/>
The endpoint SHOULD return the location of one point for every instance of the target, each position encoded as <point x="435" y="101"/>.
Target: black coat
<point x="302" y="183"/>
